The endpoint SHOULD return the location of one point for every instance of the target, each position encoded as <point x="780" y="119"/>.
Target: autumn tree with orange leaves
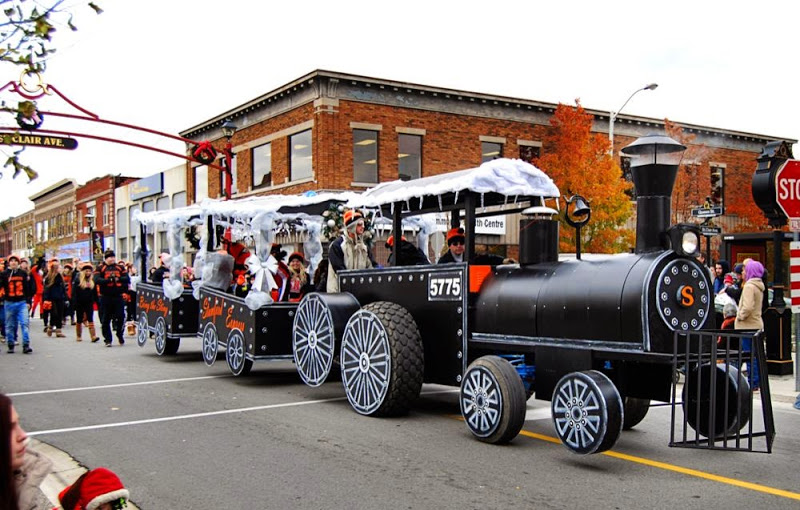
<point x="579" y="163"/>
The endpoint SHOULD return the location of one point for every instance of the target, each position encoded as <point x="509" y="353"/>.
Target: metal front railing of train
<point x="712" y="400"/>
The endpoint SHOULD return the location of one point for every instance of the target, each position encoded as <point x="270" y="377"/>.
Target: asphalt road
<point x="183" y="435"/>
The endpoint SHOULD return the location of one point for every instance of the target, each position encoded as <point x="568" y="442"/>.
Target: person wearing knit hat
<point x="349" y="251"/>
<point x="112" y="278"/>
<point x="98" y="489"/>
<point x="455" y="244"/>
<point x="407" y="253"/>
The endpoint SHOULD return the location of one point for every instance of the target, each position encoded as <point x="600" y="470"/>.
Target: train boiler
<point x="597" y="334"/>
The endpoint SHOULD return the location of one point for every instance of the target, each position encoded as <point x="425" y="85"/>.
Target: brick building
<point x="96" y="198"/>
<point x="6" y="237"/>
<point x="22" y="227"/>
<point x="54" y="217"/>
<point x="335" y="131"/>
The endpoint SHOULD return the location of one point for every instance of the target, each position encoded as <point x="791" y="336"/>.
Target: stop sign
<point x="787" y="188"/>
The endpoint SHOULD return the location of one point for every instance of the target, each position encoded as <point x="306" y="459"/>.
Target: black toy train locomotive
<point x="599" y="332"/>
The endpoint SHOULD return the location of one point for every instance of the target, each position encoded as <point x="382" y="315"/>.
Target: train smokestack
<point x="654" y="166"/>
<point x="538" y="236"/>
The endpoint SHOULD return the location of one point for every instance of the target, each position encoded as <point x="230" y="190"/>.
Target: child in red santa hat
<point x="98" y="489"/>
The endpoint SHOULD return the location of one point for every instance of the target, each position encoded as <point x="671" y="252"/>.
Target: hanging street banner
<point x="31" y="140"/>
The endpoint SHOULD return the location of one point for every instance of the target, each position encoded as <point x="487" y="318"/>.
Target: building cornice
<point x="348" y="87"/>
<point x="60" y="184"/>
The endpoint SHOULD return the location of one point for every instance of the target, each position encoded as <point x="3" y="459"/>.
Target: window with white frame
<point x="106" y="215"/>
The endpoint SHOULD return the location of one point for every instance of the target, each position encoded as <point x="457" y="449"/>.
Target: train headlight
<point x="690" y="242"/>
<point x="685" y="239"/>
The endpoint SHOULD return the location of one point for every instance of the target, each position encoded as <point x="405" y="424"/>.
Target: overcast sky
<point x="169" y="65"/>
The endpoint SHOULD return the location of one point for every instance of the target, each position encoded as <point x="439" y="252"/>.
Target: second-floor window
<point x="106" y="217"/>
<point x="200" y="183"/>
<point x="529" y="153"/>
<point x="717" y="186"/>
<point x="365" y="156"/>
<point x="490" y="151"/>
<point x="234" y="179"/>
<point x="409" y="156"/>
<point x="262" y="166"/>
<point x="300" y="166"/>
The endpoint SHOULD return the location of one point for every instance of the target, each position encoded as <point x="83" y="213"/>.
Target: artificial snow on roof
<point x="509" y="177"/>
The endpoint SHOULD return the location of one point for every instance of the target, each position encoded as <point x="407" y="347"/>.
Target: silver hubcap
<point x="366" y="362"/>
<point x="161" y="336"/>
<point x="578" y="414"/>
<point x="235" y="351"/>
<point x="142" y="333"/>
<point x="210" y="344"/>
<point x="481" y="401"/>
<point x="313" y="341"/>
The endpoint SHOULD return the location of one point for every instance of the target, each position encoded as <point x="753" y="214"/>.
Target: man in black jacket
<point x="455" y="245"/>
<point x="112" y="279"/>
<point x="18" y="288"/>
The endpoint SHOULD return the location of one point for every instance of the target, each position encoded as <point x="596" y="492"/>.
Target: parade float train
<point x="598" y="336"/>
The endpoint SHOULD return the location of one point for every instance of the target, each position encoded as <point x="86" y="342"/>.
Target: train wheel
<point x="698" y="403"/>
<point x="161" y="336"/>
<point x="635" y="411"/>
<point x="210" y="344"/>
<point x="142" y="330"/>
<point x="493" y="400"/>
<point x="235" y="355"/>
<point x="587" y="412"/>
<point x="382" y="360"/>
<point x="172" y="346"/>
<point x="318" y="324"/>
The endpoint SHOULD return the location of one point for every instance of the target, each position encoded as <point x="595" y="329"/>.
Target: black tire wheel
<point x="635" y="411"/>
<point x="587" y="412"/>
<point x="173" y="344"/>
<point x="493" y="400"/>
<point x="318" y="326"/>
<point x="210" y="344"/>
<point x="382" y="360"/>
<point x="697" y="403"/>
<point x="142" y="330"/>
<point x="161" y="336"/>
<point x="235" y="354"/>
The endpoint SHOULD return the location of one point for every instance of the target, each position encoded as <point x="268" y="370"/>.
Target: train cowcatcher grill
<point x="713" y="406"/>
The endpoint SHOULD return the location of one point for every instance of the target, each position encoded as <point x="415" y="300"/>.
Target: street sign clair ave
<point x="54" y="142"/>
<point x="787" y="190"/>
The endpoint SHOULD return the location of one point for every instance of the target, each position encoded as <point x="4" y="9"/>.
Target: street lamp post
<point x="228" y="130"/>
<point x="90" y="224"/>
<point x="613" y="115"/>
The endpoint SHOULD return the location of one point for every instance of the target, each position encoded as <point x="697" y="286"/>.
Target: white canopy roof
<point x="509" y="177"/>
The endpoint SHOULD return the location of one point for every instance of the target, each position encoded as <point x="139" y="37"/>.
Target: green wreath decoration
<point x="204" y="153"/>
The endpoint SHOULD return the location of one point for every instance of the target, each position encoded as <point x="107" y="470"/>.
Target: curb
<point x="64" y="472"/>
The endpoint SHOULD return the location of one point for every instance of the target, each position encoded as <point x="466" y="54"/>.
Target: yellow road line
<point x="677" y="469"/>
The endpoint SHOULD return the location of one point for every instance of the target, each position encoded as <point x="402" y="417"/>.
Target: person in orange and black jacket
<point x="2" y="302"/>
<point x="69" y="312"/>
<point x="19" y="290"/>
<point x="112" y="279"/>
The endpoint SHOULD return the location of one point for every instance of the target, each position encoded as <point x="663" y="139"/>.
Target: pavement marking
<point x="678" y="469"/>
<point x="121" y="385"/>
<point x="199" y="415"/>
<point x="182" y="417"/>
